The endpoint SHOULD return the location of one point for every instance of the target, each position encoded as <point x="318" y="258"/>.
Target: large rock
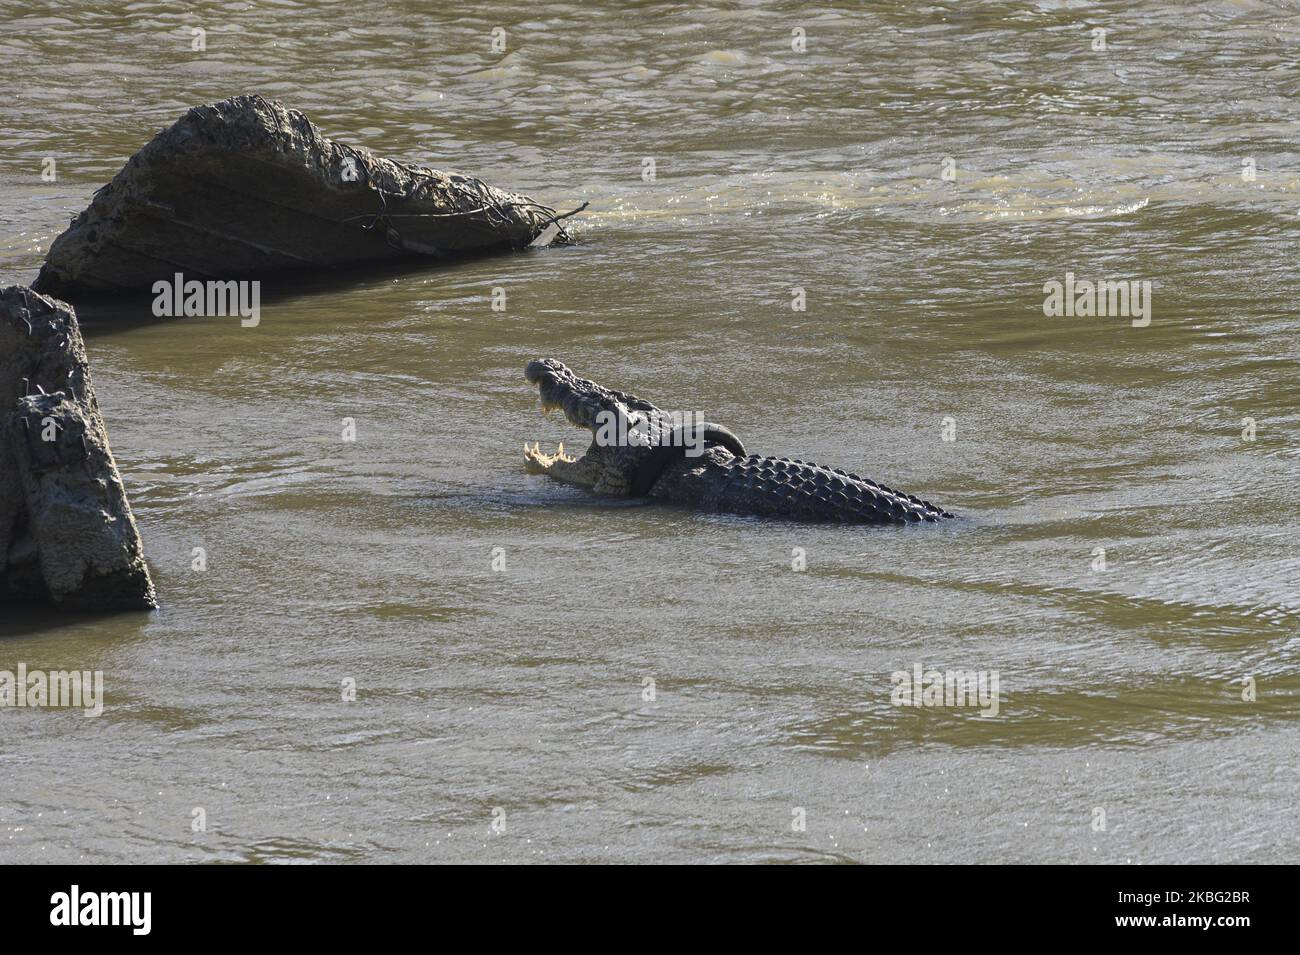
<point x="246" y="187"/>
<point x="66" y="529"/>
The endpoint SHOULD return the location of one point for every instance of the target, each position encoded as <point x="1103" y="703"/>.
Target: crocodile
<point x="640" y="450"/>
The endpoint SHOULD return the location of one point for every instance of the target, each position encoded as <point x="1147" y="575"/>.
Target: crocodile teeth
<point x="535" y="453"/>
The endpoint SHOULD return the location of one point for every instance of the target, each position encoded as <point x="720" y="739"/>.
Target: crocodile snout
<point x="541" y="369"/>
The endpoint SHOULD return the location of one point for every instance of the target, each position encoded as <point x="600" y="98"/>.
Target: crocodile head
<point x="608" y="466"/>
<point x="632" y="440"/>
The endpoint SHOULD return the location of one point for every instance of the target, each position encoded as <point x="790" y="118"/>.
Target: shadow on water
<point x="19" y="620"/>
<point x="106" y="314"/>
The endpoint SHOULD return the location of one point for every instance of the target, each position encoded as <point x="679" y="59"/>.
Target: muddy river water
<point x="829" y="228"/>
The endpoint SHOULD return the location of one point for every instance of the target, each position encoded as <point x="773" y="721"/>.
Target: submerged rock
<point x="246" y="187"/>
<point x="66" y="530"/>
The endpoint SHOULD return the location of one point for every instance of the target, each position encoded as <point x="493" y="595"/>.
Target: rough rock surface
<point x="246" y="187"/>
<point x="66" y="529"/>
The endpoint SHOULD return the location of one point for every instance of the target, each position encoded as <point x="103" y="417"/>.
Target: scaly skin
<point x="722" y="478"/>
<point x="778" y="487"/>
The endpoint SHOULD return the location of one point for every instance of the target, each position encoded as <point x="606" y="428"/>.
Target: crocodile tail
<point x="779" y="487"/>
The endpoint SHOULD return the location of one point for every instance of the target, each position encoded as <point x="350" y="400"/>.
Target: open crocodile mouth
<point x="647" y="440"/>
<point x="537" y="461"/>
<point x="560" y="390"/>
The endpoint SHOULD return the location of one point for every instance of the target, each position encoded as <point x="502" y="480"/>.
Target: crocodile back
<point x="795" y="490"/>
